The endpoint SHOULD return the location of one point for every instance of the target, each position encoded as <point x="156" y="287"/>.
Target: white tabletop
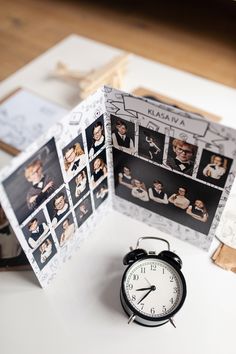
<point x="80" y="311"/>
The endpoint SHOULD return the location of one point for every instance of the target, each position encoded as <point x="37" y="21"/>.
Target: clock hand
<point x="141" y="289"/>
<point x="148" y="282"/>
<point x="151" y="289"/>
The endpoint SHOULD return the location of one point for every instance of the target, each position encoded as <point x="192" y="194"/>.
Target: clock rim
<point x="139" y="314"/>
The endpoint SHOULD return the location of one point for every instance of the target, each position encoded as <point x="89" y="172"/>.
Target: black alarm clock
<point x="153" y="288"/>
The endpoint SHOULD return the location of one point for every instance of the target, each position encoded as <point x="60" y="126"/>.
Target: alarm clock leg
<point x="172" y="322"/>
<point x="131" y="319"/>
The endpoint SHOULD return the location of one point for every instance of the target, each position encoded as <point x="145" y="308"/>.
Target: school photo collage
<point x="52" y="199"/>
<point x="167" y="186"/>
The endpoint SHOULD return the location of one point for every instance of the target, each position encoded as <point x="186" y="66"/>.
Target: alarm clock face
<point x="153" y="289"/>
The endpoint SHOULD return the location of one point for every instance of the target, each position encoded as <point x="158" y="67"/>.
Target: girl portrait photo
<point x="179" y="198"/>
<point x="74" y="157"/>
<point x="198" y="211"/>
<point x="98" y="169"/>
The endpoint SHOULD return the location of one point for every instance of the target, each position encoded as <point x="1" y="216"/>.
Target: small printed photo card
<point x="26" y="116"/>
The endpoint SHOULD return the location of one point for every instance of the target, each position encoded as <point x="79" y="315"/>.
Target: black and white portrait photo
<point x="65" y="231"/>
<point x="181" y="156"/>
<point x="79" y="186"/>
<point x="100" y="193"/>
<point x="45" y="252"/>
<point x="214" y="168"/>
<point x="58" y="207"/>
<point x="84" y="210"/>
<point x="122" y="134"/>
<point x="74" y="157"/>
<point x="151" y="144"/>
<point x="95" y="136"/>
<point x="34" y="181"/>
<point x="36" y="229"/>
<point x="98" y="168"/>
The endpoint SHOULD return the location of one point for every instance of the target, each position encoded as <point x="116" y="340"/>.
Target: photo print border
<point x="74" y="157"/>
<point x="84" y="210"/>
<point x="100" y="193"/>
<point x="98" y="168"/>
<point x="151" y="144"/>
<point x="96" y="137"/>
<point x="65" y="231"/>
<point x="181" y="156"/>
<point x="45" y="252"/>
<point x="123" y="134"/>
<point x="36" y="229"/>
<point x="58" y="207"/>
<point x="214" y="168"/>
<point x="79" y="186"/>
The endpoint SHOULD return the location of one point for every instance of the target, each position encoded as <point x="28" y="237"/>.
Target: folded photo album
<point x="164" y="166"/>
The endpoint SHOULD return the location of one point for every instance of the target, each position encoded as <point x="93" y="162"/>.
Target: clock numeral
<point x="172" y="300"/>
<point x="163" y="270"/>
<point x="153" y="267"/>
<point x="171" y="278"/>
<point x="130" y="286"/>
<point x="163" y="309"/>
<point x="135" y="277"/>
<point x="143" y="270"/>
<point x="152" y="310"/>
<point x="175" y="290"/>
<point x="142" y="305"/>
<point x="133" y="298"/>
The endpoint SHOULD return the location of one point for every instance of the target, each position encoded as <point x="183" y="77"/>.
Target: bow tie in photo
<point x="182" y="165"/>
<point x="139" y="190"/>
<point x="40" y="184"/>
<point x="75" y="165"/>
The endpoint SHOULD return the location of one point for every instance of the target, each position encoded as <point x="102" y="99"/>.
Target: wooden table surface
<point x="196" y="36"/>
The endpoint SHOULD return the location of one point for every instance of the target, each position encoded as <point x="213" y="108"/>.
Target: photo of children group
<point x="171" y="195"/>
<point x="157" y="187"/>
<point x="49" y="206"/>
